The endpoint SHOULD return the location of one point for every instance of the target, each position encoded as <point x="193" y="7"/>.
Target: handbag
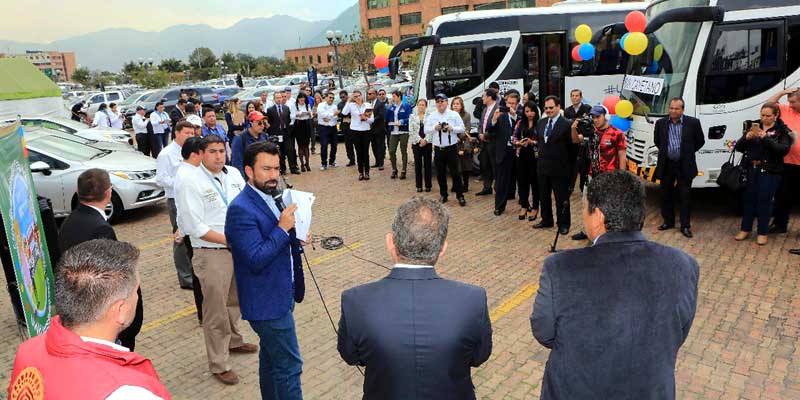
<point x="732" y="176"/>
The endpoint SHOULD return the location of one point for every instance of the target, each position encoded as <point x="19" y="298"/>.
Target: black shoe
<point x="187" y="287"/>
<point x="402" y="176"/>
<point x="380" y="168"/>
<point x="484" y="192"/>
<point x="295" y="172"/>
<point x="777" y="229"/>
<point x="665" y="226"/>
<point x="542" y="225"/>
<point x="686" y="232"/>
<point x="462" y="201"/>
<point x="795" y="252"/>
<point x="419" y="190"/>
<point x="361" y="177"/>
<point x="497" y="213"/>
<point x="366" y="177"/>
<point x="443" y="199"/>
<point x="394" y="175"/>
<point x="374" y="166"/>
<point x="350" y="164"/>
<point x="427" y="189"/>
<point x="563" y="230"/>
<point x="579" y="236"/>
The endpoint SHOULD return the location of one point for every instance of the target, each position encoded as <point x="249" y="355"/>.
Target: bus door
<point x="543" y="60"/>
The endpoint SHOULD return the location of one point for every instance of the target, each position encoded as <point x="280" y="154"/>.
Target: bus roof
<point x="564" y="8"/>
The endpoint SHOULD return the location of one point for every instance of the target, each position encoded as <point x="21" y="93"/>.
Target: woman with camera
<point x="361" y="120"/>
<point x="525" y="142"/>
<point x="422" y="149"/>
<point x="764" y="145"/>
<point x="464" y="144"/>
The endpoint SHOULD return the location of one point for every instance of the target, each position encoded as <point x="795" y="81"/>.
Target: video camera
<point x="585" y="126"/>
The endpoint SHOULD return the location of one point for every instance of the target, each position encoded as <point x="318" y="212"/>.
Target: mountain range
<point x="109" y="49"/>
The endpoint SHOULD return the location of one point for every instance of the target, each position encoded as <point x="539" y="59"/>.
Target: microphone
<point x="277" y="196"/>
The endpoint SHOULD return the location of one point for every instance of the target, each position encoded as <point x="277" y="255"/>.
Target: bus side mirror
<point x="717" y="132"/>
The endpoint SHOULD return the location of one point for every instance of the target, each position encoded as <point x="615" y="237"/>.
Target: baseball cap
<point x="139" y="108"/>
<point x="194" y="120"/>
<point x="255" y="116"/>
<point x="597" y="111"/>
<point x="441" y="96"/>
<point x="287" y="89"/>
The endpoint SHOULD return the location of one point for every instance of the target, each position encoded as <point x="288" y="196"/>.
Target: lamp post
<point x="335" y="39"/>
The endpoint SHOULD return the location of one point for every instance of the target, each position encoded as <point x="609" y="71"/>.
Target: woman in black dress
<point x="302" y="130"/>
<point x="525" y="142"/>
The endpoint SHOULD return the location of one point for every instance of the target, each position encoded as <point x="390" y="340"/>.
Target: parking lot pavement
<point x="744" y="342"/>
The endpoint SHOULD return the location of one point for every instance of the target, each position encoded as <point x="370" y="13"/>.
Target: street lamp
<point x="335" y="39"/>
<point x="150" y="62"/>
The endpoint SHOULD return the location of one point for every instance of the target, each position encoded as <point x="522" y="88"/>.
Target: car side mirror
<point x="42" y="167"/>
<point x="717" y="132"/>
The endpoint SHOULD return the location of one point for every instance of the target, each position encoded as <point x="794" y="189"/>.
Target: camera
<point x="504" y="109"/>
<point x="585" y="126"/>
<point x="443" y="125"/>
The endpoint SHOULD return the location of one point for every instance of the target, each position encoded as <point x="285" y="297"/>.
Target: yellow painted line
<point x="191" y="310"/>
<point x="512" y="302"/>
<point x="155" y="244"/>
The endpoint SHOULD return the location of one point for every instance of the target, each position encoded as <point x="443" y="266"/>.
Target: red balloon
<point x="575" y="55"/>
<point x="381" y="62"/>
<point x="635" y="21"/>
<point x="610" y="103"/>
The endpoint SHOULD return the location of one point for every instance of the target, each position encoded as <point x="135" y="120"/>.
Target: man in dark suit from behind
<point x="555" y="164"/>
<point x="678" y="137"/>
<point x="616" y="313"/>
<point x="417" y="334"/>
<point x="88" y="222"/>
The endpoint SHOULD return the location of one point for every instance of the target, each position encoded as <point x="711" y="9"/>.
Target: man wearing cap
<point x="444" y="126"/>
<point x="167" y="165"/>
<point x="253" y="134"/>
<point x="196" y="122"/>
<point x="606" y="148"/>
<point x="139" y="123"/>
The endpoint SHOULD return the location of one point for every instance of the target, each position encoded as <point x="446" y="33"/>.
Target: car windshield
<point x="155" y="96"/>
<point x="68" y="149"/>
<point x="135" y="98"/>
<point x="667" y="65"/>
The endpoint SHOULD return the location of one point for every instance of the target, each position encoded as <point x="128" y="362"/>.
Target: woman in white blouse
<point x="301" y="115"/>
<point x="361" y="120"/>
<point x="422" y="149"/>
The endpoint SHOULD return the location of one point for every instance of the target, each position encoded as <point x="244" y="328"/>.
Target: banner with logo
<point x="24" y="231"/>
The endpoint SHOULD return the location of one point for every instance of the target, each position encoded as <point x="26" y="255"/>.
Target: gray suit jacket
<point x="614" y="315"/>
<point x="417" y="334"/>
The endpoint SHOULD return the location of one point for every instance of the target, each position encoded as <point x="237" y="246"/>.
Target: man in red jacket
<point x="77" y="358"/>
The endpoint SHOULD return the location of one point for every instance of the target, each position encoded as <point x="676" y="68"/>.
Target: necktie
<point x="548" y="130"/>
<point x="280" y="115"/>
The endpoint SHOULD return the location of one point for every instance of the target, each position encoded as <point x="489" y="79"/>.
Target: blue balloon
<point x="586" y="51"/>
<point x="620" y="123"/>
<point x="384" y="70"/>
<point x="653" y="68"/>
<point x="622" y="40"/>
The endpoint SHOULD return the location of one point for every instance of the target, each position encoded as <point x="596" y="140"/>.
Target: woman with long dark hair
<point x="234" y="118"/>
<point x="422" y="149"/>
<point x="525" y="142"/>
<point x="302" y="129"/>
<point x="361" y="120"/>
<point x="764" y="145"/>
<point x="464" y="144"/>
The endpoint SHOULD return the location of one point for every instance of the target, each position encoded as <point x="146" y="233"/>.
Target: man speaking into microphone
<point x="268" y="270"/>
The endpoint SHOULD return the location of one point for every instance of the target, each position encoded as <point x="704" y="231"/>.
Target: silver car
<point x="79" y="129"/>
<point x="56" y="163"/>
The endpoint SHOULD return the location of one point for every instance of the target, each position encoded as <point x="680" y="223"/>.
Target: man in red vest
<point x="77" y="358"/>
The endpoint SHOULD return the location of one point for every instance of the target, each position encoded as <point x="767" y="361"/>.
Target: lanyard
<point x="218" y="187"/>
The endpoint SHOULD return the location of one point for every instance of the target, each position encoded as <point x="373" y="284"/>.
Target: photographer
<point x="605" y="145"/>
<point x="445" y="128"/>
<point x="764" y="145"/>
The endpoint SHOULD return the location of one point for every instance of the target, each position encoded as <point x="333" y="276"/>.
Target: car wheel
<point x="114" y="209"/>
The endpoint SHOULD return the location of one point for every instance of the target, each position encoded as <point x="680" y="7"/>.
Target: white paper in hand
<point x="302" y="215"/>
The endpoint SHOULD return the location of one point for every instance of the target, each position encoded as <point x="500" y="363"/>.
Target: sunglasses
<point x="549" y="108"/>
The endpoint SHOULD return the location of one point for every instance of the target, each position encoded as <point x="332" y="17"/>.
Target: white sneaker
<point x="323" y="168"/>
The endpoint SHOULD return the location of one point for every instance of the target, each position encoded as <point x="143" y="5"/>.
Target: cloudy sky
<point x="46" y="20"/>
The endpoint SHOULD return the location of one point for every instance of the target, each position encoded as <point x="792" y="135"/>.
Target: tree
<point x="247" y="63"/>
<point x="82" y="75"/>
<point x="358" y="53"/>
<point x="230" y="63"/>
<point x="171" y="65"/>
<point x="131" y="68"/>
<point x="202" y="57"/>
<point x="153" y="80"/>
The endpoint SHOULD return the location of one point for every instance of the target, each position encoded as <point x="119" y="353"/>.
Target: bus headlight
<point x="652" y="157"/>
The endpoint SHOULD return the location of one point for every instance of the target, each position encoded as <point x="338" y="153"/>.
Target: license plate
<point x="632" y="166"/>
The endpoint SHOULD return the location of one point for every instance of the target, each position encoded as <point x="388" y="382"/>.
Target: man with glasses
<point x="444" y="126"/>
<point x="378" y="127"/>
<point x="88" y="222"/>
<point x="326" y="120"/>
<point x="554" y="165"/>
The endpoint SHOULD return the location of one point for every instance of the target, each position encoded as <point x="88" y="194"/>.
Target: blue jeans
<point x="327" y="135"/>
<point x="279" y="362"/>
<point x="160" y="140"/>
<point x="757" y="199"/>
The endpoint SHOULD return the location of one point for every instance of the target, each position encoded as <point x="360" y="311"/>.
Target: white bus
<point x="528" y="49"/>
<point x="725" y="58"/>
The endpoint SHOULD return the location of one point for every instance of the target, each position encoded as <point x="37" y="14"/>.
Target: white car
<point x="93" y="101"/>
<point x="80" y="129"/>
<point x="56" y="163"/>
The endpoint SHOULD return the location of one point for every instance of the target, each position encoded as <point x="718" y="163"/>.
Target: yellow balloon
<point x="583" y="33"/>
<point x="381" y="49"/>
<point x="658" y="52"/>
<point x="636" y="43"/>
<point x="624" y="108"/>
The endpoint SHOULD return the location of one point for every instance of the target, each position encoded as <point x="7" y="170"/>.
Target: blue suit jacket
<point x="614" y="315"/>
<point x="261" y="264"/>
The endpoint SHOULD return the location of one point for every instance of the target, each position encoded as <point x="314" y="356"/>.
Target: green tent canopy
<point x="19" y="80"/>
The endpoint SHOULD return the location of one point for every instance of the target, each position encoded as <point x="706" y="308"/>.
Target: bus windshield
<point x="670" y="63"/>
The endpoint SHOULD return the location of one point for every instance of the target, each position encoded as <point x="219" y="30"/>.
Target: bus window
<point x="609" y="58"/>
<point x="455" y="70"/>
<point x="793" y="42"/>
<point x="493" y="53"/>
<point x="742" y="61"/>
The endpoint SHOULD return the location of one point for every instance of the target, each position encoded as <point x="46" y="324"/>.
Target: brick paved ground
<point x="744" y="342"/>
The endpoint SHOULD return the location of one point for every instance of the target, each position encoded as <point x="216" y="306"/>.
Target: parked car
<point x="170" y="98"/>
<point x="226" y="93"/>
<point x="93" y="101"/>
<point x="102" y="145"/>
<point x="57" y="162"/>
<point x="80" y="129"/>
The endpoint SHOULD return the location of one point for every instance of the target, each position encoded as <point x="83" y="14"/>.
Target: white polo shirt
<point x="203" y="202"/>
<point x="184" y="173"/>
<point x="167" y="166"/>
<point x="326" y="111"/>
<point x="443" y="138"/>
<point x="354" y="111"/>
<point x="155" y="120"/>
